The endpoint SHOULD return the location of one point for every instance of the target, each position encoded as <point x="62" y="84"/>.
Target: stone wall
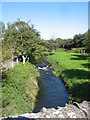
<point x="74" y="110"/>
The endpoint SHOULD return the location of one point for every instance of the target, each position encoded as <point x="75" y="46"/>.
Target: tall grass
<point x="19" y="89"/>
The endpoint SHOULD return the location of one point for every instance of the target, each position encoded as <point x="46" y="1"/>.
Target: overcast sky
<point x="52" y="19"/>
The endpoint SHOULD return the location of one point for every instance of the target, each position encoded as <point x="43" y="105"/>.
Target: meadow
<point x="19" y="89"/>
<point x="73" y="69"/>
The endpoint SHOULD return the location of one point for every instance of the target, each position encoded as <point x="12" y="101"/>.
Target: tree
<point x="2" y="30"/>
<point x="23" y="39"/>
<point x="79" y="40"/>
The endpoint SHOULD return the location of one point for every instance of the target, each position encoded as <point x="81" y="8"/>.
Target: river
<point x="52" y="90"/>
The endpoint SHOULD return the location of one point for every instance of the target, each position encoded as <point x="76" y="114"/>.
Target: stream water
<point x="52" y="90"/>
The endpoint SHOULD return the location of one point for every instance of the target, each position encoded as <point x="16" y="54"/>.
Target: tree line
<point x="21" y="38"/>
<point x="78" y="41"/>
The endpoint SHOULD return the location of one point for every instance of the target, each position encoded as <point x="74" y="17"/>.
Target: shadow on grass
<point x="52" y="53"/>
<point x="87" y="65"/>
<point x="81" y="92"/>
<point x="79" y="74"/>
<point x="79" y="57"/>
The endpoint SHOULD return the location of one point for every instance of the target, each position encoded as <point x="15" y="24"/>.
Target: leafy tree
<point x="2" y="30"/>
<point x="22" y="38"/>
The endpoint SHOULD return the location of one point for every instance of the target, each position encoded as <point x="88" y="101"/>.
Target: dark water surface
<point x="52" y="90"/>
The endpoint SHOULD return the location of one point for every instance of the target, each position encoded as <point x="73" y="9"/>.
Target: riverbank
<point x="52" y="90"/>
<point x="72" y="68"/>
<point x="19" y="89"/>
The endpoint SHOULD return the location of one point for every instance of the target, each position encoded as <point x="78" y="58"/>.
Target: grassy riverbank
<point x="73" y="69"/>
<point x="19" y="89"/>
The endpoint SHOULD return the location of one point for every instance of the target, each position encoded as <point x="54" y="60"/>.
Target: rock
<point x="71" y="114"/>
<point x="43" y="109"/>
<point x="74" y="110"/>
<point x="60" y="116"/>
<point x="47" y="116"/>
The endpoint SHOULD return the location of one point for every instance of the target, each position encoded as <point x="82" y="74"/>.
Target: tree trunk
<point x="23" y="59"/>
<point x="17" y="60"/>
<point x="28" y="59"/>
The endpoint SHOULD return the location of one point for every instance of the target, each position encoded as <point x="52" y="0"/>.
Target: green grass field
<point x="73" y="69"/>
<point x="19" y="89"/>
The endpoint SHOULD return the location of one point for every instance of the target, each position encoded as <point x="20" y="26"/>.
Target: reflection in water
<point x="52" y="90"/>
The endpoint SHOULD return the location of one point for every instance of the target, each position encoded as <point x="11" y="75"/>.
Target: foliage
<point x="6" y="53"/>
<point x="73" y="69"/>
<point x="2" y="30"/>
<point x="79" y="40"/>
<point x="22" y="38"/>
<point x="58" y="43"/>
<point x="19" y="89"/>
<point x="88" y="41"/>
